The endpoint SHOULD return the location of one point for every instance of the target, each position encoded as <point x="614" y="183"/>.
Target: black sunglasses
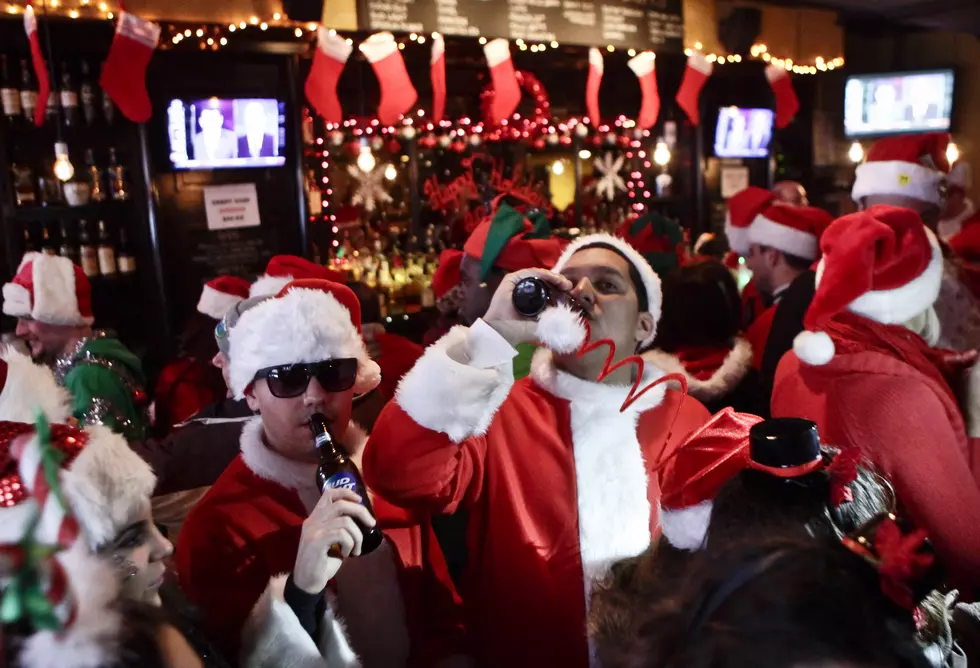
<point x="291" y="380"/>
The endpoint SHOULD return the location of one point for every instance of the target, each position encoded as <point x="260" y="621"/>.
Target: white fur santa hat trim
<point x="794" y="230"/>
<point x="651" y="282"/>
<point x="49" y="289"/>
<point x="284" y="269"/>
<point x="221" y="294"/>
<point x="308" y="321"/>
<point x="883" y="264"/>
<point x="909" y="166"/>
<point x="28" y="387"/>
<point x="743" y="208"/>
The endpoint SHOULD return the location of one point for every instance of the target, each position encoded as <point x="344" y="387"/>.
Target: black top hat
<point x="783" y="443"/>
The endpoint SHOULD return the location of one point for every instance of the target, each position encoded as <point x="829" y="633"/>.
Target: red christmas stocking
<point x="332" y="52"/>
<point x="643" y="67"/>
<point x="787" y="104"/>
<point x="437" y="71"/>
<point x="124" y="72"/>
<point x="40" y="67"/>
<point x="506" y="90"/>
<point x="695" y="75"/>
<point x="397" y="92"/>
<point x="592" y="86"/>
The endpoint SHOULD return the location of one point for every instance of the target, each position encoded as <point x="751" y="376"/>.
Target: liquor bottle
<point x="47" y="243"/>
<point x="89" y="255"/>
<point x="24" y="184"/>
<point x="28" y="242"/>
<point x="94" y="175"/>
<point x="69" y="97"/>
<point x="87" y="90"/>
<point x="107" y="254"/>
<point x="117" y="177"/>
<point x="337" y="470"/>
<point x="9" y="94"/>
<point x="67" y="248"/>
<point x="52" y="111"/>
<point x="108" y="108"/>
<point x="125" y="257"/>
<point x="28" y="93"/>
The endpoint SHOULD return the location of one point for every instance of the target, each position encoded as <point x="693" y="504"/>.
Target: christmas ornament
<point x="40" y="67"/>
<point x="688" y="95"/>
<point x="610" y="181"/>
<point x="398" y="95"/>
<point x="643" y="67"/>
<point x="506" y="90"/>
<point x="370" y="189"/>
<point x="592" y="86"/>
<point x="787" y="104"/>
<point x="124" y="72"/>
<point x="332" y="52"/>
<point x="437" y="73"/>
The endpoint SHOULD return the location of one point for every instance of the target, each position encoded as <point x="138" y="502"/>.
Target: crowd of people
<point x="653" y="468"/>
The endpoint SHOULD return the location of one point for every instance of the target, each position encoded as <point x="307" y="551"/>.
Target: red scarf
<point x="702" y="362"/>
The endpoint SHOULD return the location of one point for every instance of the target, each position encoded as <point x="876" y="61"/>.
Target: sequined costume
<point x="107" y="385"/>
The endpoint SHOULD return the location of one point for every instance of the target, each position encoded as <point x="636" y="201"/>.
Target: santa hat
<point x="49" y="289"/>
<point x="511" y="241"/>
<point x="909" y="165"/>
<point x="794" y="230"/>
<point x="960" y="176"/>
<point x="447" y="275"/>
<point x="283" y="269"/>
<point x="743" y="207"/>
<point x="309" y="320"/>
<point x="660" y="240"/>
<point x="220" y="294"/>
<point x="883" y="264"/>
<point x="26" y="388"/>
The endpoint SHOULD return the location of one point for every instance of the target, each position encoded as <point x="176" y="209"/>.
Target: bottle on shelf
<point x="87" y="251"/>
<point x="125" y="258"/>
<point x="87" y="90"/>
<point x="52" y="111"/>
<point x="108" y="108"/>
<point x="117" y="177"/>
<point x="67" y="248"/>
<point x="28" y="91"/>
<point x="22" y="176"/>
<point x="47" y="243"/>
<point x="28" y="242"/>
<point x="107" y="254"/>
<point x="94" y="177"/>
<point x="69" y="97"/>
<point x="9" y="94"/>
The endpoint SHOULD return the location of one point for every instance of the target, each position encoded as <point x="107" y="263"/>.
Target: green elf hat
<point x="511" y="241"/>
<point x="660" y="240"/>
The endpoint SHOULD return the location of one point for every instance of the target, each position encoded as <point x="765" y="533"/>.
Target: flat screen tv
<point x="218" y="133"/>
<point x="898" y="103"/>
<point x="743" y="133"/>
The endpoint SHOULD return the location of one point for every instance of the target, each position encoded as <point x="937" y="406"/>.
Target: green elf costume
<point x="660" y="240"/>
<point x="105" y="379"/>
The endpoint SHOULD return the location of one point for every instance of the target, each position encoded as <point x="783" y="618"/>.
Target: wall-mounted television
<point x="898" y="103"/>
<point x="216" y="133"/>
<point x="743" y="133"/>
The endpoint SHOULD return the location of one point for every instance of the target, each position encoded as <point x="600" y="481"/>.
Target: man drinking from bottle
<point x="271" y="562"/>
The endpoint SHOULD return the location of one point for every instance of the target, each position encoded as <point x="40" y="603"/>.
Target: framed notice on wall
<point x="657" y="25"/>
<point x="230" y="207"/>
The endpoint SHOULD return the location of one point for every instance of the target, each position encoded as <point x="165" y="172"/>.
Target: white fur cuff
<point x="686" y="528"/>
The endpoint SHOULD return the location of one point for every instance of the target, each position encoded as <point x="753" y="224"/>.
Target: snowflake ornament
<point x="370" y="188"/>
<point x="610" y="181"/>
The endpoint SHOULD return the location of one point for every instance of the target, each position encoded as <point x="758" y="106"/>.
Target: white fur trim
<point x="444" y="393"/>
<point x="496" y="52"/>
<point x="438" y="48"/>
<point x="643" y="63"/>
<point x="303" y="325"/>
<point x="54" y="299"/>
<point x="767" y="232"/>
<point x="651" y="282"/>
<point x="738" y="237"/>
<point x="214" y="303"/>
<point x="16" y="300"/>
<point x="31" y="387"/>
<point x="333" y="46"/>
<point x="814" y="348"/>
<point x="379" y="46"/>
<point x="686" y="528"/>
<point x="595" y="60"/>
<point x="560" y="329"/>
<point x="894" y="307"/>
<point x="774" y="73"/>
<point x="698" y="62"/>
<point x="897" y="177"/>
<point x="266" y="285"/>
<point x="725" y="379"/>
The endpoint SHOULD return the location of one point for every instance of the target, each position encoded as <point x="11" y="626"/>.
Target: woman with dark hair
<point x="698" y="336"/>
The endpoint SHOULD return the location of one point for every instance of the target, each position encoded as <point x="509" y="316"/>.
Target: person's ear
<point x="250" y="399"/>
<point x="644" y="326"/>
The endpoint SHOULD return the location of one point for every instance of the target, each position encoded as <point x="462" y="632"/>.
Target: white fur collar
<point x="600" y="396"/>
<point x="725" y="379"/>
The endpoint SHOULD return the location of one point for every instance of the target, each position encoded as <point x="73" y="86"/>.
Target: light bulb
<point x="391" y="173"/>
<point x="365" y="160"/>
<point x="661" y="154"/>
<point x="63" y="169"/>
<point x="558" y="168"/>
<point x="584" y="154"/>
<point x="856" y="153"/>
<point x="952" y="153"/>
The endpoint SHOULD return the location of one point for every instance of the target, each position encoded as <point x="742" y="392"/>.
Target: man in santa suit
<point x="557" y="469"/>
<point x="867" y="377"/>
<point x="273" y="564"/>
<point x="741" y="210"/>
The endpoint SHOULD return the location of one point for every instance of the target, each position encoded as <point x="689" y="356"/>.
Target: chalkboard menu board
<point x="657" y="25"/>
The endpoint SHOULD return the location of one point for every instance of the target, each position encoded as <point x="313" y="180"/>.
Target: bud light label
<point x="341" y="481"/>
<point x="321" y="439"/>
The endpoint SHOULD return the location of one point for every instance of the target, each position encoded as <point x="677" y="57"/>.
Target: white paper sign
<point x="231" y="206"/>
<point x="733" y="180"/>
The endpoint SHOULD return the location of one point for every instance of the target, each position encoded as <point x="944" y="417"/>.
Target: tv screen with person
<point x="226" y="133"/>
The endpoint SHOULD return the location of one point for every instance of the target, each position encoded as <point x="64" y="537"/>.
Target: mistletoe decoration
<point x="370" y="190"/>
<point x="610" y="181"/>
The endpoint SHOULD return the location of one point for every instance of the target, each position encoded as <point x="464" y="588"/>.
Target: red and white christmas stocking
<point x="506" y="90"/>
<point x="124" y="72"/>
<point x="787" y="104"/>
<point x="437" y="71"/>
<point x="695" y="75"/>
<point x="332" y="52"/>
<point x="398" y="95"/>
<point x="643" y="67"/>
<point x="592" y="86"/>
<point x="40" y="67"/>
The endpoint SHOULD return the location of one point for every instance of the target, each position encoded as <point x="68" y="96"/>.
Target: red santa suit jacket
<point x="909" y="426"/>
<point x="397" y="604"/>
<point x="557" y="480"/>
